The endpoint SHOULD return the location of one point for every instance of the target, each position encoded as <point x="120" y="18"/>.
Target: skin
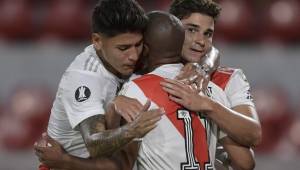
<point x="198" y="36"/>
<point x="246" y="130"/>
<point x="119" y="53"/>
<point x="201" y="102"/>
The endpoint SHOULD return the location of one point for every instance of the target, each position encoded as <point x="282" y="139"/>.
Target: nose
<point x="134" y="54"/>
<point x="199" y="40"/>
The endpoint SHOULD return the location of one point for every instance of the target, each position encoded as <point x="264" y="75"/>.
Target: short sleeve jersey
<point x="85" y="89"/>
<point x="182" y="139"/>
<point x="235" y="85"/>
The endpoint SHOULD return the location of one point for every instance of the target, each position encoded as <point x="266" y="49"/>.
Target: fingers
<point x="39" y="149"/>
<point x="51" y="141"/>
<point x="173" y="92"/>
<point x="175" y="88"/>
<point x="146" y="105"/>
<point x="177" y="100"/>
<point x="127" y="117"/>
<point x="127" y="107"/>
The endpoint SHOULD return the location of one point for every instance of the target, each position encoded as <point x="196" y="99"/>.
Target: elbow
<point x="248" y="163"/>
<point x="90" y="145"/>
<point x="257" y="136"/>
<point x="253" y="138"/>
<point x="248" y="166"/>
<point x="93" y="146"/>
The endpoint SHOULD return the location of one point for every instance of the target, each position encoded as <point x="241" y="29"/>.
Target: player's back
<point x="182" y="139"/>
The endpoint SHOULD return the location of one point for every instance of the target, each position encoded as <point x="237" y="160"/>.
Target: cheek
<point x="187" y="42"/>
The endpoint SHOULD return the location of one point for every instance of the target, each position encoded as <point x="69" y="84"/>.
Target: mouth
<point x="130" y="66"/>
<point x="196" y="50"/>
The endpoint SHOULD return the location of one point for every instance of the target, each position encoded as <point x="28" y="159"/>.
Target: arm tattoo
<point x="101" y="142"/>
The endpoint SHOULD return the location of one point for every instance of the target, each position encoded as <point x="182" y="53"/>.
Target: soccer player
<point x="91" y="81"/>
<point x="182" y="139"/>
<point x="239" y="120"/>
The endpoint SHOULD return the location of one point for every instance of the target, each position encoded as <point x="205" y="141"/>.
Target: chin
<point x="193" y="59"/>
<point x="127" y="73"/>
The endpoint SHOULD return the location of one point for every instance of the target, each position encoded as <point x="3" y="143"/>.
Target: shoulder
<point x="223" y="75"/>
<point x="86" y="61"/>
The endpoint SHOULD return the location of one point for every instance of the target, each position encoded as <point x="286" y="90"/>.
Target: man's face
<point x="199" y="29"/>
<point x="121" y="51"/>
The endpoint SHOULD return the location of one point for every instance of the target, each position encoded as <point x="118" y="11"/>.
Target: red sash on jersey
<point x="150" y="85"/>
<point x="222" y="76"/>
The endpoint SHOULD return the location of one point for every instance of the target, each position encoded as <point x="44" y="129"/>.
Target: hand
<point x="186" y="95"/>
<point x="127" y="107"/>
<point x="145" y="121"/>
<point x="50" y="152"/>
<point x="191" y="75"/>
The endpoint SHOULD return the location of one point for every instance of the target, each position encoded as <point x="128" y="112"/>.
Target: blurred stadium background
<point x="38" y="39"/>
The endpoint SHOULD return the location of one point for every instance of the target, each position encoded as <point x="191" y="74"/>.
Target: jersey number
<point x="191" y="163"/>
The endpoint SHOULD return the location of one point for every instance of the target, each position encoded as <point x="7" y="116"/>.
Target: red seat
<point x="236" y="22"/>
<point x="275" y="115"/>
<point x="16" y="19"/>
<point x="281" y="21"/>
<point x="25" y="117"/>
<point x="67" y="19"/>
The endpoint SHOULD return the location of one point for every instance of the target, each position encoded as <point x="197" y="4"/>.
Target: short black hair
<point x="112" y="17"/>
<point x="184" y="8"/>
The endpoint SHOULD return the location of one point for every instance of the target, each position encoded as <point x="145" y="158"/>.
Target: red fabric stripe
<point x="221" y="78"/>
<point x="149" y="84"/>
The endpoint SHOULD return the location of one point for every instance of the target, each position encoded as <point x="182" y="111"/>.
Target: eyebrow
<point x="192" y="25"/>
<point x="197" y="26"/>
<point x="128" y="45"/>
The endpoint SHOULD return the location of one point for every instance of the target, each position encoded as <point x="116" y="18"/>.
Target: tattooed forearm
<point x="102" y="142"/>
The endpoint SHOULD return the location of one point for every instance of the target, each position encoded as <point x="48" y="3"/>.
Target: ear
<point x="97" y="41"/>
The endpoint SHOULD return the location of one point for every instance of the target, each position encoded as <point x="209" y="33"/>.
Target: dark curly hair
<point x="112" y="17"/>
<point x="184" y="8"/>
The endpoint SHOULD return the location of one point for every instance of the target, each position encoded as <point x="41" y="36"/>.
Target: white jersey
<point x="85" y="89"/>
<point x="235" y="85"/>
<point x="182" y="139"/>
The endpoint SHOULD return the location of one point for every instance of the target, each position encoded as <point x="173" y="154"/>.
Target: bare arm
<point x="240" y="123"/>
<point x="241" y="157"/>
<point x="102" y="142"/>
<point x="56" y="157"/>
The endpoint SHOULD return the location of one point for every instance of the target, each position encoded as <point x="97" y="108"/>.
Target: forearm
<point x="241" y="157"/>
<point x="101" y="142"/>
<point x="243" y="129"/>
<point x="122" y="160"/>
<point x="107" y="142"/>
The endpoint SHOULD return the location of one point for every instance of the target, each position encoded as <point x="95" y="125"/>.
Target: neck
<point x="157" y="63"/>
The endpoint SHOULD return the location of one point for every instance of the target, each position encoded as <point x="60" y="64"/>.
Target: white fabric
<point x="238" y="89"/>
<point x="164" y="147"/>
<point x="87" y="72"/>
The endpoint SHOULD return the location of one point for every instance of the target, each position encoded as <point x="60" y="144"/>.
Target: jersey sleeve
<point x="83" y="95"/>
<point x="238" y="90"/>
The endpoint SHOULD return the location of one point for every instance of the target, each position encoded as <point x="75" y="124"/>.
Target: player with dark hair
<point x="165" y="147"/>
<point x="239" y="120"/>
<point x="91" y="81"/>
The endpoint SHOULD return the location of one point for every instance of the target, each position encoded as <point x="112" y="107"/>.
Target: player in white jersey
<point x="77" y="118"/>
<point x="162" y="150"/>
<point x="86" y="87"/>
<point x="183" y="139"/>
<point x="239" y="120"/>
